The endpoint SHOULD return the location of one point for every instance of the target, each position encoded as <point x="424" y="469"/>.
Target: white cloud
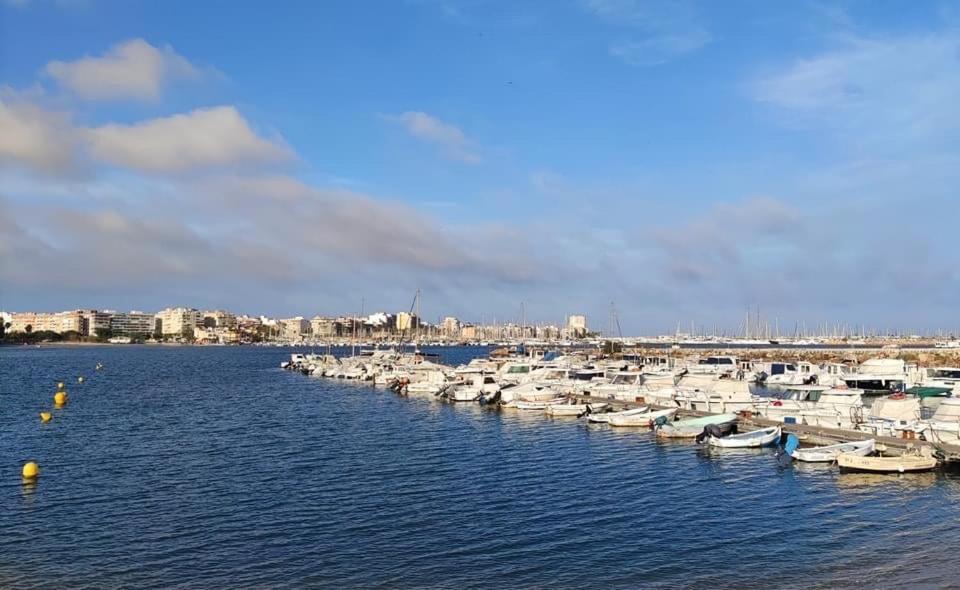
<point x="133" y="69"/>
<point x="874" y="93"/>
<point x="204" y="138"/>
<point x="35" y="138"/>
<point x="658" y="49"/>
<point x="661" y="30"/>
<point x="452" y="141"/>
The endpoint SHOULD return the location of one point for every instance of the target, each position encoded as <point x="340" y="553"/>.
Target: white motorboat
<point x="754" y="439"/>
<point x="473" y="387"/>
<point x="813" y="405"/>
<point x="528" y="392"/>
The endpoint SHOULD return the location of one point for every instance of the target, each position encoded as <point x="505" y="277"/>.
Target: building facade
<point x="178" y="321"/>
<point x="294" y="328"/>
<point x="61" y="322"/>
<point x="133" y="323"/>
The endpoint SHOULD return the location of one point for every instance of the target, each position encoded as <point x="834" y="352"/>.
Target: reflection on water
<point x="903" y="481"/>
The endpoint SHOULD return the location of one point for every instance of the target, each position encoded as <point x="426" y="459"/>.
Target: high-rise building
<point x="133" y="323"/>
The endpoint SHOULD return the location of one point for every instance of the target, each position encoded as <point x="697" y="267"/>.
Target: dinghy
<point x="604" y="417"/>
<point x="538" y="405"/>
<point x="572" y="409"/>
<point x="827" y="454"/>
<point x="757" y="438"/>
<point x="692" y="427"/>
<point x="646" y="419"/>
<point x="918" y="460"/>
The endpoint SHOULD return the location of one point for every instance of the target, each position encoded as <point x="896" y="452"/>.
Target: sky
<point x="685" y="161"/>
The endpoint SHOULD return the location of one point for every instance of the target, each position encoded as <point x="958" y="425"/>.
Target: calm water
<point x="210" y="467"/>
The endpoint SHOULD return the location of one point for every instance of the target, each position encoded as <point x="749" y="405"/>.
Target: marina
<point x="897" y="405"/>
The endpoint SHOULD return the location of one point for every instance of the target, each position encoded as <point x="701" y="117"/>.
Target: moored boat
<point x="605" y="417"/>
<point x="692" y="427"/>
<point x="828" y="453"/>
<point x="645" y="419"/>
<point x="572" y="409"/>
<point x="756" y="438"/>
<point x="919" y="460"/>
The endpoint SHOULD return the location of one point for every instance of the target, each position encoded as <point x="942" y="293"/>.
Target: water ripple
<point x="198" y="468"/>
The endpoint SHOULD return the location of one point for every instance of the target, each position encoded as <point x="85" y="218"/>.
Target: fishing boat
<point x="692" y="427"/>
<point x="827" y="454"/>
<point x="604" y="417"/>
<point x="917" y="460"/>
<point x="756" y="438"/>
<point x="572" y="409"/>
<point x="645" y="419"/>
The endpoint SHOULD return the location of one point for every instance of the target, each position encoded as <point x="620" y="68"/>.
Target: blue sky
<point x="683" y="159"/>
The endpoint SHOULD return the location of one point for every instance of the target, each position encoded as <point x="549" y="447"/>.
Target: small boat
<point x="605" y="417"/>
<point x="918" y="460"/>
<point x="538" y="405"/>
<point x="827" y="454"/>
<point x="646" y="419"/>
<point x="757" y="438"/>
<point x="572" y="409"/>
<point x="692" y="427"/>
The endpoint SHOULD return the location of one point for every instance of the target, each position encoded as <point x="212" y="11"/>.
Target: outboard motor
<point x="708" y="431"/>
<point x="762" y="377"/>
<point x="660" y="421"/>
<point x="792" y="444"/>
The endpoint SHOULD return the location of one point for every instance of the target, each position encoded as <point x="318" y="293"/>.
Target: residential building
<point x="324" y="327"/>
<point x="178" y="321"/>
<point x="577" y="325"/>
<point x="61" y="322"/>
<point x="294" y="328"/>
<point x="95" y="322"/>
<point x="218" y="319"/>
<point x="450" y="327"/>
<point x="133" y="323"/>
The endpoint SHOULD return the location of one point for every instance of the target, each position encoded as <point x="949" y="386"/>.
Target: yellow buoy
<point x="45" y="417"/>
<point x="80" y="379"/>
<point x="60" y="385"/>
<point x="60" y="398"/>
<point x="30" y="470"/>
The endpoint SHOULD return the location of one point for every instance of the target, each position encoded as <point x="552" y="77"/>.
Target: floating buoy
<point x="60" y="398"/>
<point x="45" y="417"/>
<point x="80" y="379"/>
<point x="30" y="471"/>
<point x="60" y="386"/>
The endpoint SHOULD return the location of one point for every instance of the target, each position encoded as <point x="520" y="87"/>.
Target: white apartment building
<point x="179" y="321"/>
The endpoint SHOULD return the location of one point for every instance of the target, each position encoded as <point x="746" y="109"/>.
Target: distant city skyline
<point x="685" y="160"/>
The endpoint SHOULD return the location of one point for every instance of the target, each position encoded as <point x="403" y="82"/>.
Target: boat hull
<point x="828" y="454"/>
<point x="755" y="439"/>
<point x="642" y="420"/>
<point x="902" y="464"/>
